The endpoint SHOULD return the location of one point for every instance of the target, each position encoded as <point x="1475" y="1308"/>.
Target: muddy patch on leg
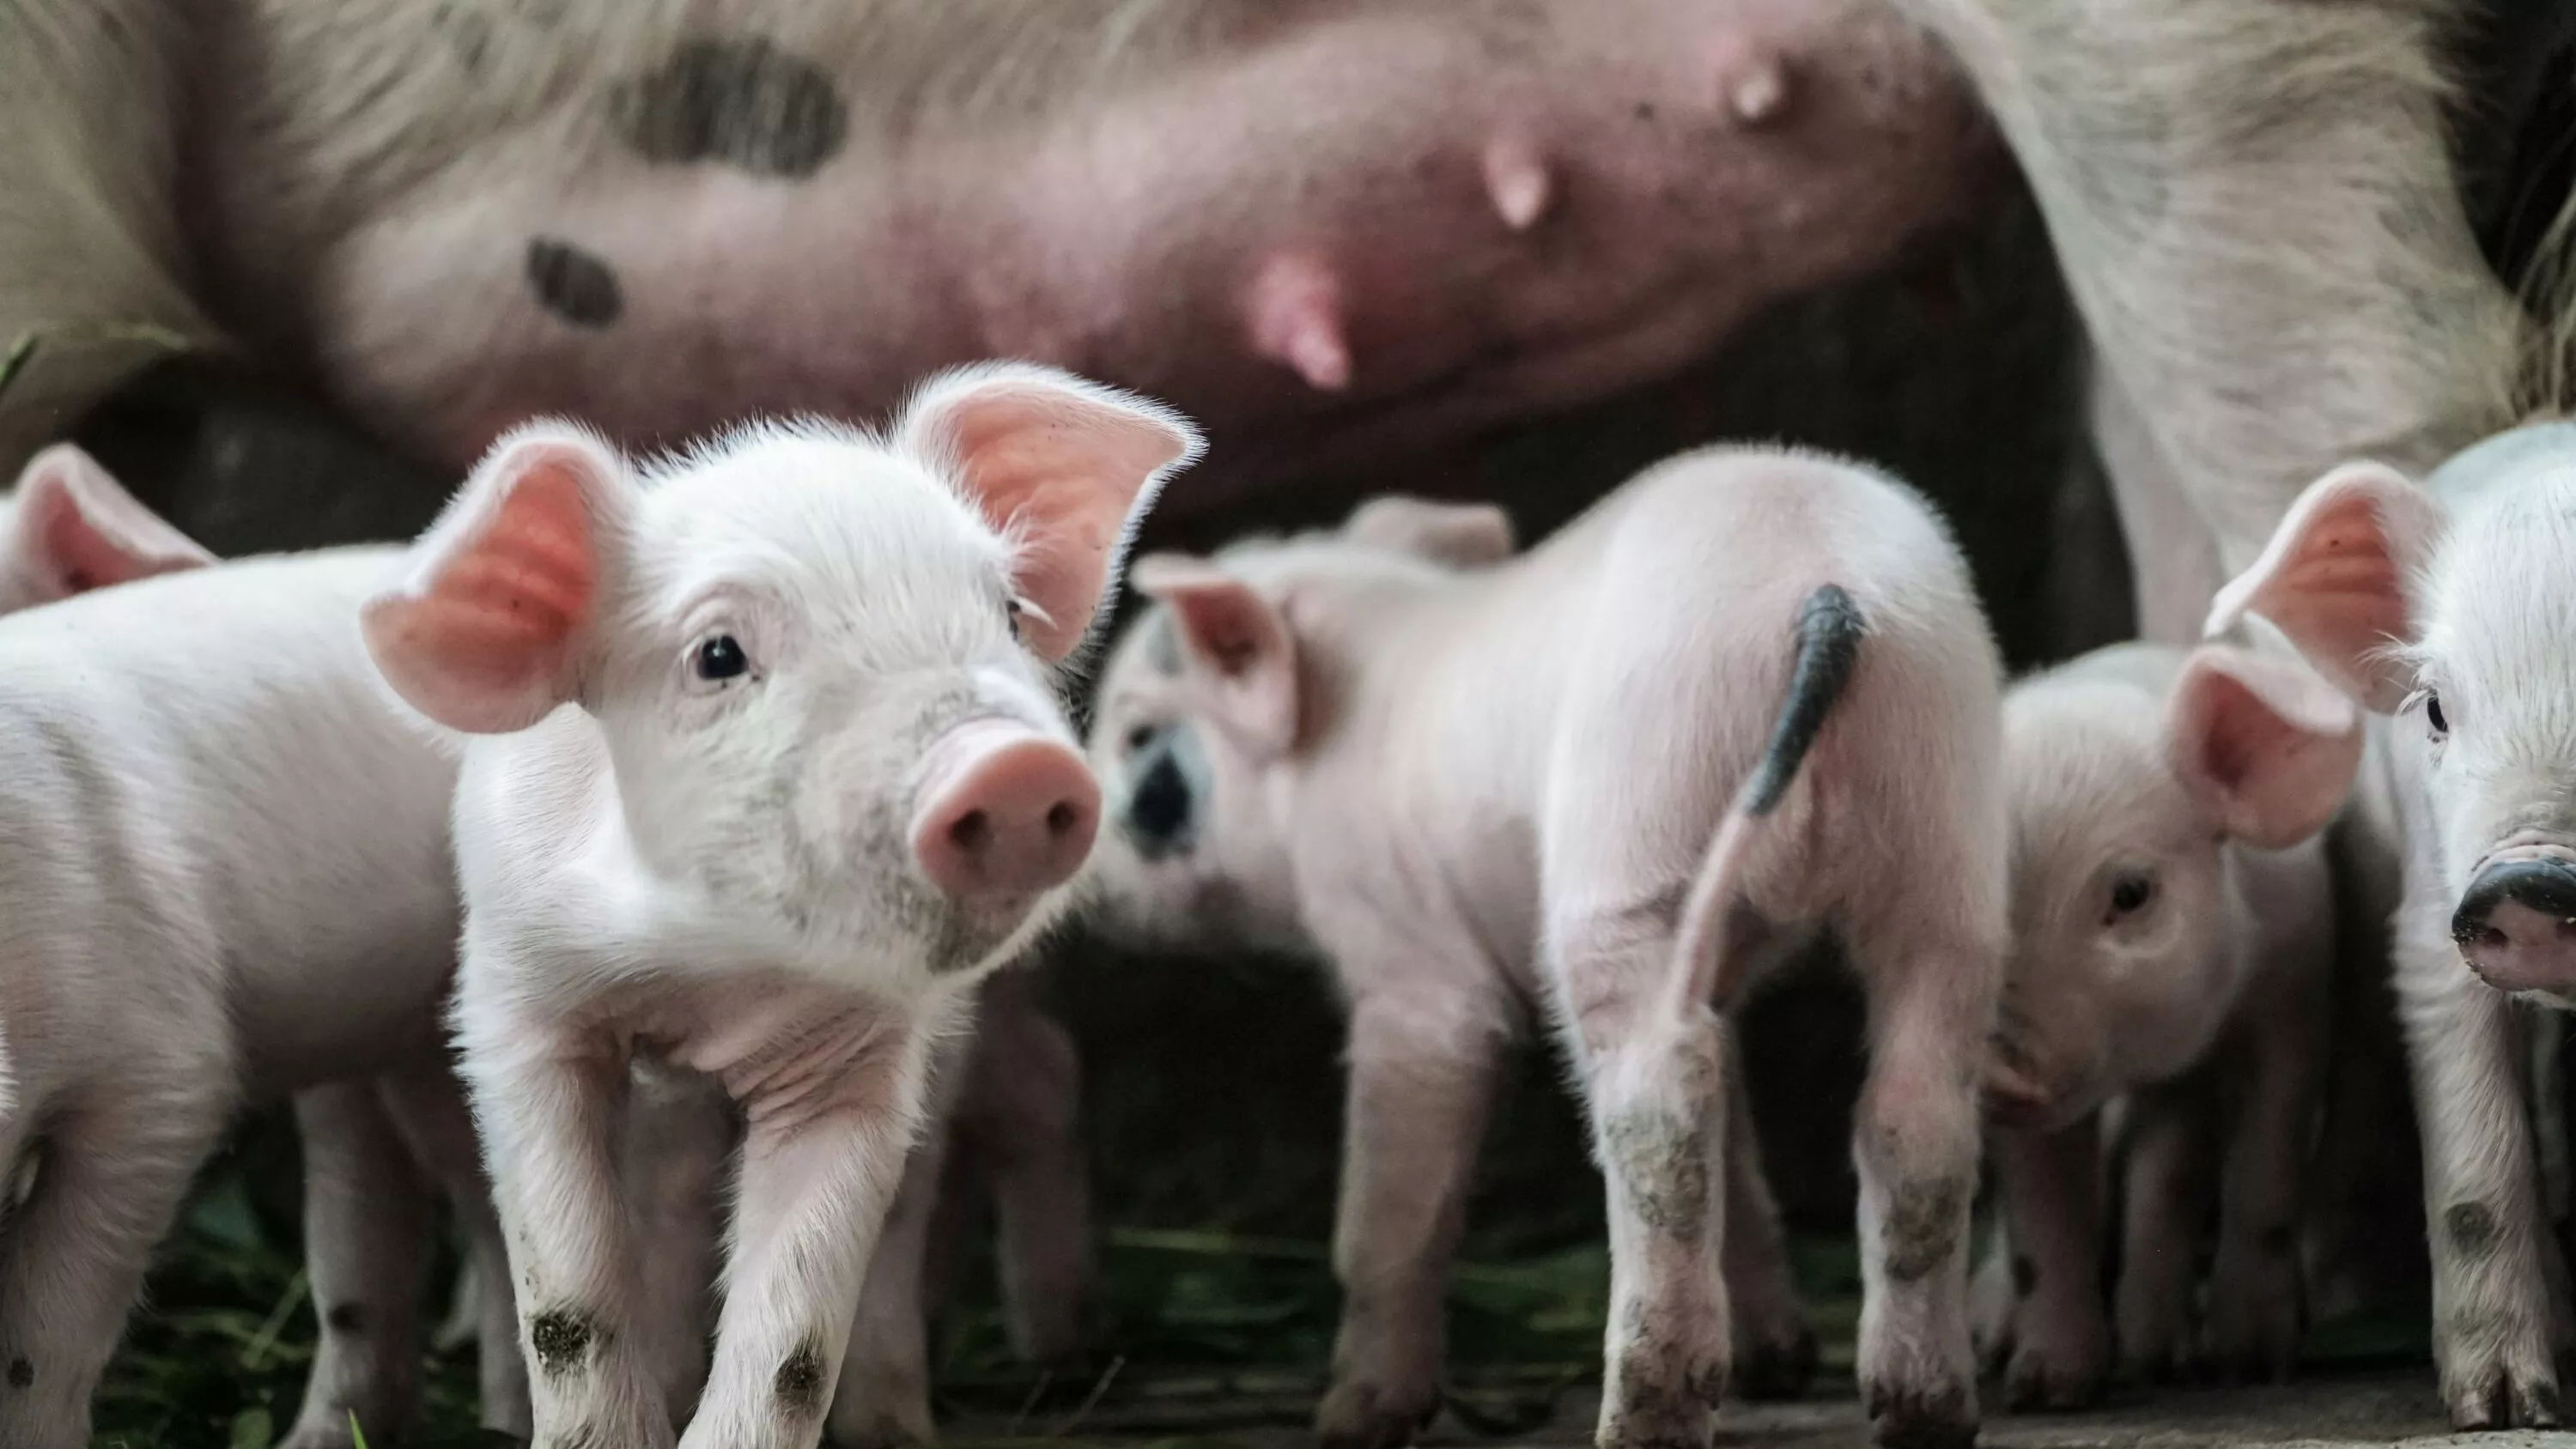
<point x="799" y="1384"/>
<point x="1662" y="1160"/>
<point x="2472" y="1229"/>
<point x="1922" y="1228"/>
<point x="1941" y="1416"/>
<point x="561" y="1339"/>
<point x="22" y="1374"/>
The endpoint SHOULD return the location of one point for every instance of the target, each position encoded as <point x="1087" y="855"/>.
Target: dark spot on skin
<point x="2025" y="1276"/>
<point x="2472" y="1226"/>
<point x="573" y="284"/>
<point x="22" y="1374"/>
<point x="2277" y="1240"/>
<point x="347" y="1318"/>
<point x="1663" y="1163"/>
<point x="560" y="1338"/>
<point x="1645" y="110"/>
<point x="800" y="1380"/>
<point x="742" y="102"/>
<point x="1922" y="1228"/>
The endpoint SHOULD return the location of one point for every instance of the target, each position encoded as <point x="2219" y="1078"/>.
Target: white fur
<point x="2475" y="594"/>
<point x="1494" y="790"/>
<point x="2216" y="978"/>
<point x="715" y="878"/>
<point x="214" y="825"/>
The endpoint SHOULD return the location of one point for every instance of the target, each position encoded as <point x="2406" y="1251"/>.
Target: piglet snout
<point x="1005" y="814"/>
<point x="2517" y="925"/>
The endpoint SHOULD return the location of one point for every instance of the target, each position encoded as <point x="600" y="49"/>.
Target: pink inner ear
<point x="1059" y="471"/>
<point x="85" y="532"/>
<point x="2277" y="779"/>
<point x="485" y="642"/>
<point x="2342" y="582"/>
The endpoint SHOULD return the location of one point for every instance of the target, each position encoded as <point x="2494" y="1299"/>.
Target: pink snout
<point x="1006" y="814"/>
<point x="2517" y="924"/>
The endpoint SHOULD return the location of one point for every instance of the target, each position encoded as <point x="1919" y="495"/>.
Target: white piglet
<point x="76" y="1021"/>
<point x="2173" y="943"/>
<point x="770" y="770"/>
<point x="2449" y="606"/>
<point x="1568" y="784"/>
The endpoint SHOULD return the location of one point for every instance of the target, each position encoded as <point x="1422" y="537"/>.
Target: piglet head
<point x="69" y="527"/>
<point x="822" y="662"/>
<point x="2449" y="606"/>
<point x="2131" y="774"/>
<point x="1196" y="700"/>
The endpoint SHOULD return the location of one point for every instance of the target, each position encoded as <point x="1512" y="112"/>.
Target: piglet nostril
<point x="1062" y="818"/>
<point x="972" y="832"/>
<point x="1005" y="814"/>
<point x="2516" y="925"/>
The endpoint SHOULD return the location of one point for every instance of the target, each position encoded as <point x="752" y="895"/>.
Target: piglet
<point x="2174" y="942"/>
<point x="1567" y="785"/>
<point x="2446" y="606"/>
<point x="768" y="772"/>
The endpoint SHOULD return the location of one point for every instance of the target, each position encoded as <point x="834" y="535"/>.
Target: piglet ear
<point x="1237" y="642"/>
<point x="1461" y="535"/>
<point x="484" y="633"/>
<point x="75" y="528"/>
<point x="2266" y="744"/>
<point x="1062" y="467"/>
<point x="2334" y="578"/>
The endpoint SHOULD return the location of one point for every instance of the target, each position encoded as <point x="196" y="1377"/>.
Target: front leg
<point x="884" y="1393"/>
<point x="2050" y="1184"/>
<point x="1420" y="1089"/>
<point x="550" y="1106"/>
<point x="2491" y="1324"/>
<point x="2166" y="1158"/>
<point x="813" y="1204"/>
<point x="2256" y="1313"/>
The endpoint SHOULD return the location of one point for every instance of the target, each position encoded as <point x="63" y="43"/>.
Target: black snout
<point x="2544" y="886"/>
<point x="1158" y="812"/>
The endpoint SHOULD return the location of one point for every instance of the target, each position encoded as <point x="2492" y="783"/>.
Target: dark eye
<point x="1012" y="609"/>
<point x="2130" y="893"/>
<point x="2433" y="715"/>
<point x="720" y="658"/>
<point x="1139" y="737"/>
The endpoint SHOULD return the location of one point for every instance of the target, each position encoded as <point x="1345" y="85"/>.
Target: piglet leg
<point x="2167" y="1159"/>
<point x="2050" y="1183"/>
<point x="884" y="1393"/>
<point x="1023" y="1102"/>
<point x="110" y="1179"/>
<point x="2491" y="1326"/>
<point x="1774" y="1348"/>
<point x="429" y="1107"/>
<point x="815" y="1195"/>
<point x="551" y="1106"/>
<point x="1419" y="1091"/>
<point x="1915" y="1145"/>
<point x="2255" y="1309"/>
<point x="367" y="1221"/>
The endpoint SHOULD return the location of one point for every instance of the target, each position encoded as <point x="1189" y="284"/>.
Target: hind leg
<point x="1022" y="1103"/>
<point x="1774" y="1348"/>
<point x="429" y="1107"/>
<point x="72" y="1260"/>
<point x="367" y="1221"/>
<point x="1915" y="1144"/>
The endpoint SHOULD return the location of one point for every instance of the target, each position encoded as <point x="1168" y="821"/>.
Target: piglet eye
<point x="2130" y="893"/>
<point x="1012" y="611"/>
<point x="2433" y="715"/>
<point x="720" y="658"/>
<point x="1139" y="737"/>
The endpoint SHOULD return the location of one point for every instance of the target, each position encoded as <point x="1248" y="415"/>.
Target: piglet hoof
<point x="890" y="1418"/>
<point x="2254" y="1319"/>
<point x="1357" y="1414"/>
<point x="1670" y="1412"/>
<point x="2501" y="1396"/>
<point x="2041" y="1378"/>
<point x="1776" y="1369"/>
<point x="1910" y="1416"/>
